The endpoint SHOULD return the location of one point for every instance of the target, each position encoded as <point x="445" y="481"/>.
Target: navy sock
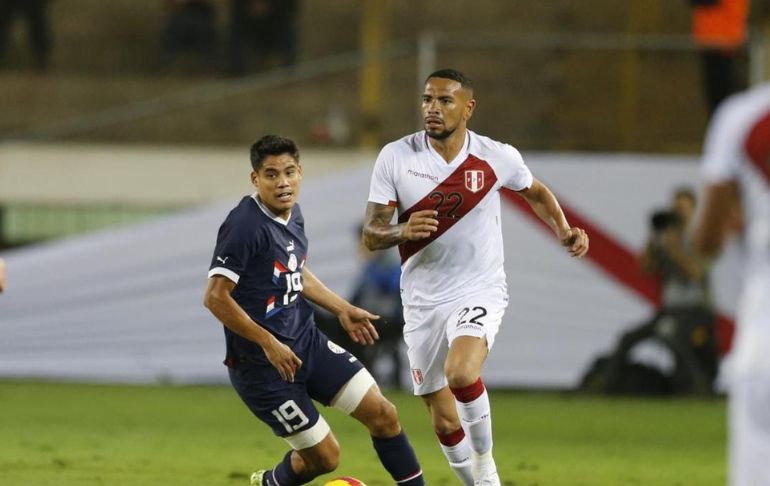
<point x="282" y="474"/>
<point x="398" y="457"/>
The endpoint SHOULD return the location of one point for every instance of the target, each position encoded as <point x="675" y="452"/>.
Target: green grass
<point x="77" y="435"/>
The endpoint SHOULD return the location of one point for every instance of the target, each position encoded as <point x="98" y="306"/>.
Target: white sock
<point x="459" y="457"/>
<point x="476" y="418"/>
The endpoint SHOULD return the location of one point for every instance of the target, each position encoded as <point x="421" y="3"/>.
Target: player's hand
<point x="575" y="240"/>
<point x="357" y="323"/>
<point x="283" y="359"/>
<point x="421" y="224"/>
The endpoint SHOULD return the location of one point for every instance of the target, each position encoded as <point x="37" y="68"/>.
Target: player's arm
<point x="357" y="322"/>
<point x="2" y="274"/>
<point x="380" y="234"/>
<point x="218" y="300"/>
<point x="547" y="208"/>
<point x="712" y="228"/>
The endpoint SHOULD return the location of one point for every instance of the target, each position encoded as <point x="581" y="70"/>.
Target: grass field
<point x="73" y="435"/>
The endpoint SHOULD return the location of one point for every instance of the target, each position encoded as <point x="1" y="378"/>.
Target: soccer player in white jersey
<point x="736" y="169"/>
<point x="444" y="182"/>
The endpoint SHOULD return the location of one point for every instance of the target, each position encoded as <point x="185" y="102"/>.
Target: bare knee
<point x="385" y="422"/>
<point x="460" y="375"/>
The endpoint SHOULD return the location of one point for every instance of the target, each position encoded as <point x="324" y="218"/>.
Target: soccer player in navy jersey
<point x="278" y="360"/>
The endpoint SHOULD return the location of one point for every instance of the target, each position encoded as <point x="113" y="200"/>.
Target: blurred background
<point x="124" y="136"/>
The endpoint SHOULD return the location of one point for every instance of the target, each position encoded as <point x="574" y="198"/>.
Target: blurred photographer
<point x="684" y="323"/>
<point x="684" y="279"/>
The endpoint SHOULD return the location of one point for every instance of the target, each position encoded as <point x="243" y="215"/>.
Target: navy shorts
<point x="286" y="407"/>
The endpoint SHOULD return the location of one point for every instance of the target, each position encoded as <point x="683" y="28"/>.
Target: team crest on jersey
<point x="417" y="375"/>
<point x="474" y="180"/>
<point x="335" y="348"/>
<point x="292" y="262"/>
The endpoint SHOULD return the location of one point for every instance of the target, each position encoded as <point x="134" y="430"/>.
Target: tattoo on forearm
<point x="379" y="234"/>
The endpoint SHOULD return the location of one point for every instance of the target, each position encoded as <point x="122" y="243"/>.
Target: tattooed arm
<point x="380" y="234"/>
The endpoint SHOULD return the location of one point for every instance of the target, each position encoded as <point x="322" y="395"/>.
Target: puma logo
<point x="223" y="260"/>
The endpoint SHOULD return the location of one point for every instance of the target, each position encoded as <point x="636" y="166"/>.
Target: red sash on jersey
<point x="758" y="146"/>
<point x="455" y="197"/>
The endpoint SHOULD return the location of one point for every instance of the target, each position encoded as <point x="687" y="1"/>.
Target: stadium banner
<point x="125" y="304"/>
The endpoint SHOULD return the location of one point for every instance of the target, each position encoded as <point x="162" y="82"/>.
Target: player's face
<point x="277" y="183"/>
<point x="446" y="106"/>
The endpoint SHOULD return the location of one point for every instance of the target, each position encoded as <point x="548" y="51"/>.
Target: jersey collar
<point x="459" y="158"/>
<point x="269" y="213"/>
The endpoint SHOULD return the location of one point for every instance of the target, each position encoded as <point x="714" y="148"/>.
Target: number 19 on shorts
<point x="290" y="412"/>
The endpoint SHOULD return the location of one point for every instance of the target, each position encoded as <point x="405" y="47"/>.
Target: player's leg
<point x="749" y="445"/>
<point x="749" y="415"/>
<point x="471" y="331"/>
<point x="341" y="381"/>
<point x="388" y="438"/>
<point x="289" y="411"/>
<point x="454" y="442"/>
<point x="424" y="334"/>
<point x="300" y="466"/>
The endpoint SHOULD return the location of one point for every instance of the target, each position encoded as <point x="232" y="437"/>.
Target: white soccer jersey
<point x="738" y="148"/>
<point x="466" y="253"/>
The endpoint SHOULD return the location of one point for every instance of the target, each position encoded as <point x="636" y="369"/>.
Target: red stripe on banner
<point x="758" y="146"/>
<point x="453" y="198"/>
<point x="617" y="261"/>
<point x="609" y="255"/>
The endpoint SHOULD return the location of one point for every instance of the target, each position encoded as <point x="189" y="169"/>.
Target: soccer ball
<point x="344" y="481"/>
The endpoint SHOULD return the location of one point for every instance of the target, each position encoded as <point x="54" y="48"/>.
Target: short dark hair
<point x="454" y="75"/>
<point x="272" y="145"/>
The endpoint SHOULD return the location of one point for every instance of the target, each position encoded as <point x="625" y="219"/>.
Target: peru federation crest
<point x="474" y="180"/>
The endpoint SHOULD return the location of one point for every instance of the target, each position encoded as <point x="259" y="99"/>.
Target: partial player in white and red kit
<point x="736" y="169"/>
<point x="444" y="181"/>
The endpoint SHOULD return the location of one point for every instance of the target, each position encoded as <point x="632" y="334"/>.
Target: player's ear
<point x="469" y="108"/>
<point x="255" y="179"/>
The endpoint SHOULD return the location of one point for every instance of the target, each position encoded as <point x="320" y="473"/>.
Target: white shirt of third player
<point x="469" y="256"/>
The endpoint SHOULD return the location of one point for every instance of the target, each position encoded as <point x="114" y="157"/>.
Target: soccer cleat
<point x="488" y="480"/>
<point x="256" y="478"/>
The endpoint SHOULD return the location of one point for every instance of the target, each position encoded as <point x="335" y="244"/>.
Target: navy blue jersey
<point x="264" y="255"/>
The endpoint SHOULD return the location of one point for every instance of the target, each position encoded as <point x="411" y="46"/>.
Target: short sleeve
<point x="520" y="175"/>
<point x="382" y="189"/>
<point x="723" y="147"/>
<point x="235" y="247"/>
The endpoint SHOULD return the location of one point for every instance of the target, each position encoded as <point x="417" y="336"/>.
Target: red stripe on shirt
<point x="453" y="199"/>
<point x="758" y="146"/>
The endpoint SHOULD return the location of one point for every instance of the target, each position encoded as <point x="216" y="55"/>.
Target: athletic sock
<point x="282" y="474"/>
<point x="457" y="449"/>
<point x="398" y="458"/>
<point x="476" y="417"/>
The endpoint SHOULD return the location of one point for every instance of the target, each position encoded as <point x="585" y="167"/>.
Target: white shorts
<point x="429" y="331"/>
